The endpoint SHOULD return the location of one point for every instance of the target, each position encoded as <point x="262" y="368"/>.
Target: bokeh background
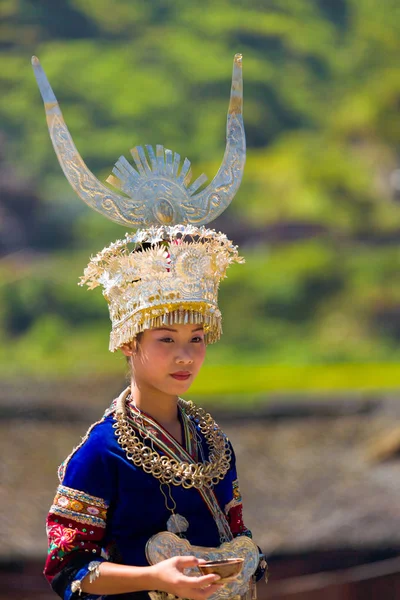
<point x="310" y="352"/>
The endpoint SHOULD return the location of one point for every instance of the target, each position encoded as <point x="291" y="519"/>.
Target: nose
<point x="184" y="359"/>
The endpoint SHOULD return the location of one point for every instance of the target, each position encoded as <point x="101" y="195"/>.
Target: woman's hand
<point x="169" y="577"/>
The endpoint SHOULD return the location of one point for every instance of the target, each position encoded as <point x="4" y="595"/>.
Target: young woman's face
<point x="168" y="358"/>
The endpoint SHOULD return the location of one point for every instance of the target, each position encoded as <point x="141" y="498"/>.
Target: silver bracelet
<point x="94" y="570"/>
<point x="76" y="587"/>
<point x="94" y="573"/>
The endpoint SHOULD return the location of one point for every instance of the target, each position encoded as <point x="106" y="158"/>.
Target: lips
<point x="181" y="375"/>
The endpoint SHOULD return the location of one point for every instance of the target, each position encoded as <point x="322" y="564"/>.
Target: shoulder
<point x="202" y="420"/>
<point x="91" y="454"/>
<point x="197" y="414"/>
<point x="207" y="430"/>
<point x="87" y="479"/>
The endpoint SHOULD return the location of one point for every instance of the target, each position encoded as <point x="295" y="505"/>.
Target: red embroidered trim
<point x="234" y="512"/>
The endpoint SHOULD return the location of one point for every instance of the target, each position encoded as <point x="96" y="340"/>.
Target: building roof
<point x="310" y="475"/>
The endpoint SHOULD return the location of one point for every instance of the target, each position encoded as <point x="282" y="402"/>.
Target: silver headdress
<point x="175" y="278"/>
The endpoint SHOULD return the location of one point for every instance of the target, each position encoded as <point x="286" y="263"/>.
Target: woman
<point x="152" y="489"/>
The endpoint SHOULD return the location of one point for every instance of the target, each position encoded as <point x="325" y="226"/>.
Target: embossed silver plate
<point x="166" y="545"/>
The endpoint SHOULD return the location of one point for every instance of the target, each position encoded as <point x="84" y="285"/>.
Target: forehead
<point x="184" y="329"/>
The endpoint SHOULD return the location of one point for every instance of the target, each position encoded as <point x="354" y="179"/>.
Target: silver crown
<point x="156" y="192"/>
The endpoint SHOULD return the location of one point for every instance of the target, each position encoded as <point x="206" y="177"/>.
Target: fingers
<point x="204" y="580"/>
<point x="203" y="594"/>
<point x="184" y="562"/>
<point x="199" y="582"/>
<point x="185" y="586"/>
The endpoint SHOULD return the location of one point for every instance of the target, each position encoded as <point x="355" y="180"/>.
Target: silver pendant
<point x="177" y="524"/>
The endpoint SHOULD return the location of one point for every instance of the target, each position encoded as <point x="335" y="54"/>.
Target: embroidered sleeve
<point x="75" y="529"/>
<point x="233" y="509"/>
<point x="77" y="519"/>
<point x="234" y="512"/>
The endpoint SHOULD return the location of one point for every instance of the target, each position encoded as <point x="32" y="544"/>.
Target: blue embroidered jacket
<point x="106" y="508"/>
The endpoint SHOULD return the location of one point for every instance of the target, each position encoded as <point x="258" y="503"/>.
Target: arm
<point x="166" y="576"/>
<point x="70" y="570"/>
<point x="76" y="522"/>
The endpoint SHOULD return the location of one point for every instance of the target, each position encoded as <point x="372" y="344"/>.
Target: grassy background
<point x="236" y="380"/>
<point x="317" y="217"/>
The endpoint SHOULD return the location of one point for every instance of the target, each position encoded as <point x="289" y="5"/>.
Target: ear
<point x="127" y="349"/>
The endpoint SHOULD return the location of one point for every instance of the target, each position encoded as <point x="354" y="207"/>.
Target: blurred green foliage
<point x="317" y="215"/>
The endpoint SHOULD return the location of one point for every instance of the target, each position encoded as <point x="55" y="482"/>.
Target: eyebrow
<point x="175" y="330"/>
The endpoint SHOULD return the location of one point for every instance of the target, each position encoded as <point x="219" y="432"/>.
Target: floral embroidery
<point x="62" y="501"/>
<point x="237" y="497"/>
<point x="92" y="510"/>
<point x="79" y="506"/>
<point x="66" y="537"/>
<point x="62" y="538"/>
<point x="236" y="491"/>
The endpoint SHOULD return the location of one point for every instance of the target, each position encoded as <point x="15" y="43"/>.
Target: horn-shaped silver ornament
<point x="157" y="191"/>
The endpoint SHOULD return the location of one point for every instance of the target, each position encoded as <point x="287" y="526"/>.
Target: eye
<point x="167" y="340"/>
<point x="197" y="339"/>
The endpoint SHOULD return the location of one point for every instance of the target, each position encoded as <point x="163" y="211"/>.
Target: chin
<point x="180" y="387"/>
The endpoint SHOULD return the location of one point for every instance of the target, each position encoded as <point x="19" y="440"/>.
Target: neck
<point x="159" y="406"/>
